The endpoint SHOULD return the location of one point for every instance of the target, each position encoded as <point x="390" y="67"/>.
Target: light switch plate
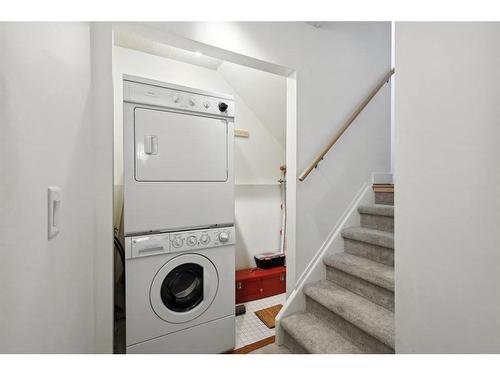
<point x="54" y="208"/>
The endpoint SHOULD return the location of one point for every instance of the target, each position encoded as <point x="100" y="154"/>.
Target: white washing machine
<point x="180" y="292"/>
<point x="178" y="157"/>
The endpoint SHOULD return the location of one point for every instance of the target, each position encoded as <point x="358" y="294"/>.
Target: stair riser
<point x="365" y="342"/>
<point x="291" y="344"/>
<point x="385" y="223"/>
<point x="384" y="198"/>
<point x="373" y="252"/>
<point x="372" y="292"/>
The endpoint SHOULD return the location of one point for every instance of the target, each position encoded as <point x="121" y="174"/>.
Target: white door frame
<point x="102" y="61"/>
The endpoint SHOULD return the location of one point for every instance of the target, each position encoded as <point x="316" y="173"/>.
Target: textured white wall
<point x="336" y="66"/>
<point x="257" y="158"/>
<point x="47" y="296"/>
<point x="447" y="201"/>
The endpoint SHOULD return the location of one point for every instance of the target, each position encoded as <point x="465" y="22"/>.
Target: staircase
<point x="352" y="311"/>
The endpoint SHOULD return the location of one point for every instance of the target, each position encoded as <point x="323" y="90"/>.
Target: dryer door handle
<point x="151" y="144"/>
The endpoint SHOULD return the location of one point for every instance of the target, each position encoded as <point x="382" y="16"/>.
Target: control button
<point x="192" y="102"/>
<point x="223" y="236"/>
<point x="204" y="239"/>
<point x="223" y="107"/>
<point x="191" y="240"/>
<point x="206" y="105"/>
<point x="177" y="242"/>
<point x="176" y="98"/>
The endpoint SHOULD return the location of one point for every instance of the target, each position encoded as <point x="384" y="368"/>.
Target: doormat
<point x="268" y="315"/>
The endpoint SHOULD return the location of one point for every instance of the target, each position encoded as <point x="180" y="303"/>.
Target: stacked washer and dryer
<point x="178" y="218"/>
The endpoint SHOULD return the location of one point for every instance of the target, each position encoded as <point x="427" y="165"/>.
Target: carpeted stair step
<point x="315" y="336"/>
<point x="377" y="216"/>
<point x="373" y="244"/>
<point x="384" y="198"/>
<point x="366" y="324"/>
<point x="369" y="279"/>
<point x="371" y="236"/>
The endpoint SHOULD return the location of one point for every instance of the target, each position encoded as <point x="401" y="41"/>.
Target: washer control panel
<point x="136" y="247"/>
<point x="142" y="246"/>
<point x="201" y="239"/>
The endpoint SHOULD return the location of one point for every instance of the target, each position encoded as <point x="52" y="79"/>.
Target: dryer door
<point x="184" y="288"/>
<point x="171" y="146"/>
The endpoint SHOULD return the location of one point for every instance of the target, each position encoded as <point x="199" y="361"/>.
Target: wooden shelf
<point x="383" y="188"/>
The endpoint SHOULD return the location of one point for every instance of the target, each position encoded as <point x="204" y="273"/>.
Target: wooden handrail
<point x="349" y="121"/>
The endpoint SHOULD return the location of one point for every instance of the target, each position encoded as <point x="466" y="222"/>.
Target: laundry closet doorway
<point x="264" y="135"/>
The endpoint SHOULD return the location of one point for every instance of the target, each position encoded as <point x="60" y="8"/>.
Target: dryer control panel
<point x="163" y="243"/>
<point x="149" y="92"/>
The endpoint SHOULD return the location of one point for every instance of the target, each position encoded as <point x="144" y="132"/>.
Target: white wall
<point x="447" y="201"/>
<point x="336" y="66"/>
<point x="257" y="158"/>
<point x="47" y="295"/>
<point x="264" y="93"/>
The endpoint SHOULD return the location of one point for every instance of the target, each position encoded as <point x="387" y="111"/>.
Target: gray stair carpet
<point x="368" y="270"/>
<point x="384" y="198"/>
<point x="368" y="316"/>
<point x="377" y="209"/>
<point x="272" y="349"/>
<point x="371" y="236"/>
<point x="352" y="311"/>
<point x="377" y="216"/>
<point x="316" y="336"/>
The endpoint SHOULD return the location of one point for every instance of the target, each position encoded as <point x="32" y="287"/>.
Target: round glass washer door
<point x="184" y="288"/>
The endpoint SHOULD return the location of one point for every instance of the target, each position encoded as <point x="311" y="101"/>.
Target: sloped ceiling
<point x="136" y="42"/>
<point x="263" y="92"/>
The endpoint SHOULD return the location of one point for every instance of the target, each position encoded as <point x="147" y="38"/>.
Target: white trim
<point x="101" y="35"/>
<point x="291" y="184"/>
<point x="393" y="92"/>
<point x="315" y="270"/>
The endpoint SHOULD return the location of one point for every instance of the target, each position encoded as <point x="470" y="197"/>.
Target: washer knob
<point x="177" y="242"/>
<point x="191" y="240"/>
<point x="204" y="239"/>
<point x="176" y="98"/>
<point x="223" y="236"/>
<point x="192" y="102"/>
<point x="206" y="105"/>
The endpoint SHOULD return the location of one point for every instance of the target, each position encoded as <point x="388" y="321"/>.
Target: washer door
<point x="184" y="288"/>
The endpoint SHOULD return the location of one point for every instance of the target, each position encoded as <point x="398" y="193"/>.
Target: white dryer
<point x="180" y="292"/>
<point x="178" y="157"/>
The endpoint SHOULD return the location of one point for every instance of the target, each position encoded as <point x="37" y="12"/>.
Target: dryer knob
<point x="191" y="240"/>
<point x="223" y="236"/>
<point x="223" y="107"/>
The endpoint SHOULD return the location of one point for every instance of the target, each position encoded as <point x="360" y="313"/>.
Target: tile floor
<point x="249" y="328"/>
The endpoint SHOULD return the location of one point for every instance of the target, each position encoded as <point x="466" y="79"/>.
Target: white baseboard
<point x="316" y="270"/>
